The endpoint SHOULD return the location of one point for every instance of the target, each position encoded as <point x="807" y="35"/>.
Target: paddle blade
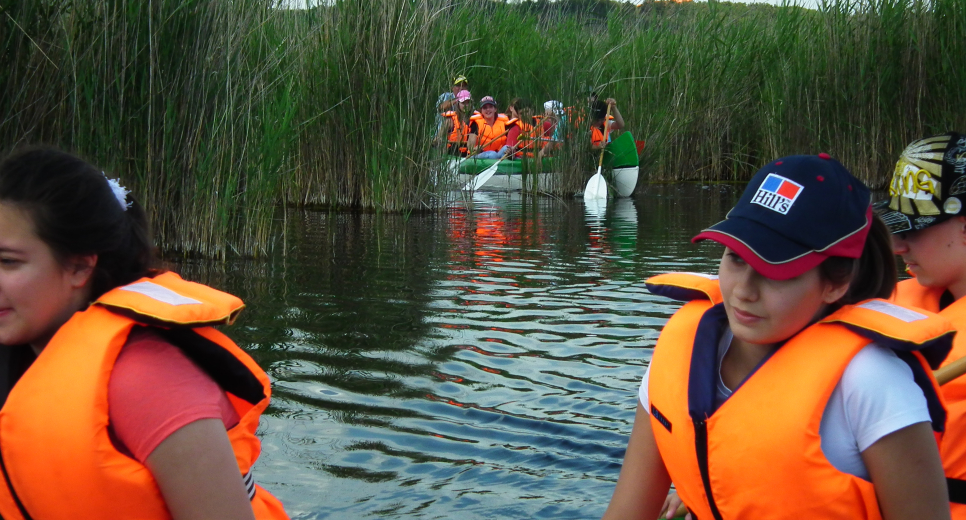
<point x="596" y="187"/>
<point x="481" y="178"/>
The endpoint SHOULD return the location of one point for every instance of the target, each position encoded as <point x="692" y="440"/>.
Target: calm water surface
<point x="481" y="363"/>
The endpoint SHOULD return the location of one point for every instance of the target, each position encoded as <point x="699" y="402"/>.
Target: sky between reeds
<point x="217" y="113"/>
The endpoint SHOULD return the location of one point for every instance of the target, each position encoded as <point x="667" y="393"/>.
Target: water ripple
<point x="481" y="364"/>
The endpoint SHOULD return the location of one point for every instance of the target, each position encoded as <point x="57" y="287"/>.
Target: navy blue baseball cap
<point x="796" y="212"/>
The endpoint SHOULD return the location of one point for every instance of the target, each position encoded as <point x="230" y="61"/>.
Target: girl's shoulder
<point x="879" y="395"/>
<point x="156" y="389"/>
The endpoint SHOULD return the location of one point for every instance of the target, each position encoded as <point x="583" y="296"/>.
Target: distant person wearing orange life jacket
<point x="447" y="101"/>
<point x="526" y="129"/>
<point x="488" y="131"/>
<point x="598" y="112"/>
<point x="926" y="216"/>
<point x="456" y="124"/>
<point x="555" y="123"/>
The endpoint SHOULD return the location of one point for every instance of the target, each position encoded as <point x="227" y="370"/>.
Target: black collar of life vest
<point x="705" y="370"/>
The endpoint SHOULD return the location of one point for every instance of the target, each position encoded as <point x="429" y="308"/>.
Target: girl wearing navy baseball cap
<point x="786" y="385"/>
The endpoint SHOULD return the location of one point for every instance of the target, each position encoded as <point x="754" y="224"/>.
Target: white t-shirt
<point x="875" y="397"/>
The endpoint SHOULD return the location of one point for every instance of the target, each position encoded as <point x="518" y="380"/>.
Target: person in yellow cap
<point x="926" y="216"/>
<point x="447" y="100"/>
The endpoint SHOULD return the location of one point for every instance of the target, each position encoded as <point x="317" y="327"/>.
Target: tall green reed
<point x="185" y="101"/>
<point x="216" y="113"/>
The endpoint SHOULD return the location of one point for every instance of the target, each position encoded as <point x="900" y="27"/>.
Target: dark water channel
<point x="481" y="363"/>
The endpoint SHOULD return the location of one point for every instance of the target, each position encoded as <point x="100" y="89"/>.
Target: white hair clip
<point x="120" y="192"/>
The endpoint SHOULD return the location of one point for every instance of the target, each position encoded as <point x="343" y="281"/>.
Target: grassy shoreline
<point x="215" y="113"/>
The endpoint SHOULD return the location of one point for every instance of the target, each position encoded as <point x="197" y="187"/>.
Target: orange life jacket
<point x="58" y="460"/>
<point x="460" y="131"/>
<point x="953" y="448"/>
<point x="458" y="134"/>
<point x="539" y="132"/>
<point x="759" y="455"/>
<point x="597" y="134"/>
<point x="488" y="134"/>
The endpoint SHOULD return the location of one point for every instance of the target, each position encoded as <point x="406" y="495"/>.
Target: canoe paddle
<point x="477" y="182"/>
<point x="481" y="178"/>
<point x="596" y="186"/>
<point x="950" y="371"/>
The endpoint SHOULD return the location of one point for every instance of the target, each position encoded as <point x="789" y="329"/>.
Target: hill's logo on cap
<point x="777" y="193"/>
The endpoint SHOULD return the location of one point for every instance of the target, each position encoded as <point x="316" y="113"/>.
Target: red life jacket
<point x="759" y="455"/>
<point x="953" y="448"/>
<point x="529" y="135"/>
<point x="57" y="456"/>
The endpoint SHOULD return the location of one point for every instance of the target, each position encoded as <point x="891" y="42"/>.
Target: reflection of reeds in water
<point x="215" y="112"/>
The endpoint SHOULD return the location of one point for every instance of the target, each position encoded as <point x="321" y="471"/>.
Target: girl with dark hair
<point x="787" y="386"/>
<point x="119" y="398"/>
<point x="598" y="115"/>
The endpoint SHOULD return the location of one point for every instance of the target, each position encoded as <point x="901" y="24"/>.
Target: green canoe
<point x="620" y="153"/>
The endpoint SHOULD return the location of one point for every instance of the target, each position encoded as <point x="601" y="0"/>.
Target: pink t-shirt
<point x="155" y="390"/>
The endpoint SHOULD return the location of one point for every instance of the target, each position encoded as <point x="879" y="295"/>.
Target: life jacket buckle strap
<point x="957" y="490"/>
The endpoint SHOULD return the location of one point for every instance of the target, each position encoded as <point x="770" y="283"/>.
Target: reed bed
<point x="217" y="113"/>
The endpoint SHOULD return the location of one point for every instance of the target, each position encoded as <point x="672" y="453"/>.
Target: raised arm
<point x="618" y="122"/>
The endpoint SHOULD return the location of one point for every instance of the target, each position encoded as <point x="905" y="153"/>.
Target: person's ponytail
<point x="872" y="275"/>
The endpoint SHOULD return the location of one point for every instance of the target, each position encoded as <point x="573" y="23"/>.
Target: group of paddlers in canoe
<point x="484" y="132"/>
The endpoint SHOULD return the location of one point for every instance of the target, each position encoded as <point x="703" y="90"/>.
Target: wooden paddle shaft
<point x="603" y="142"/>
<point x="951" y="371"/>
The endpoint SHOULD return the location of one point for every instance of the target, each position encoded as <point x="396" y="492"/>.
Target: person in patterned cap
<point x="925" y="214"/>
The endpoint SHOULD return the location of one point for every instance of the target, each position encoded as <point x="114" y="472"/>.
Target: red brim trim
<point x="780" y="271"/>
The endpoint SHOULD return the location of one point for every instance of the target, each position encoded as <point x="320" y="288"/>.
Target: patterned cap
<point x="928" y="185"/>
